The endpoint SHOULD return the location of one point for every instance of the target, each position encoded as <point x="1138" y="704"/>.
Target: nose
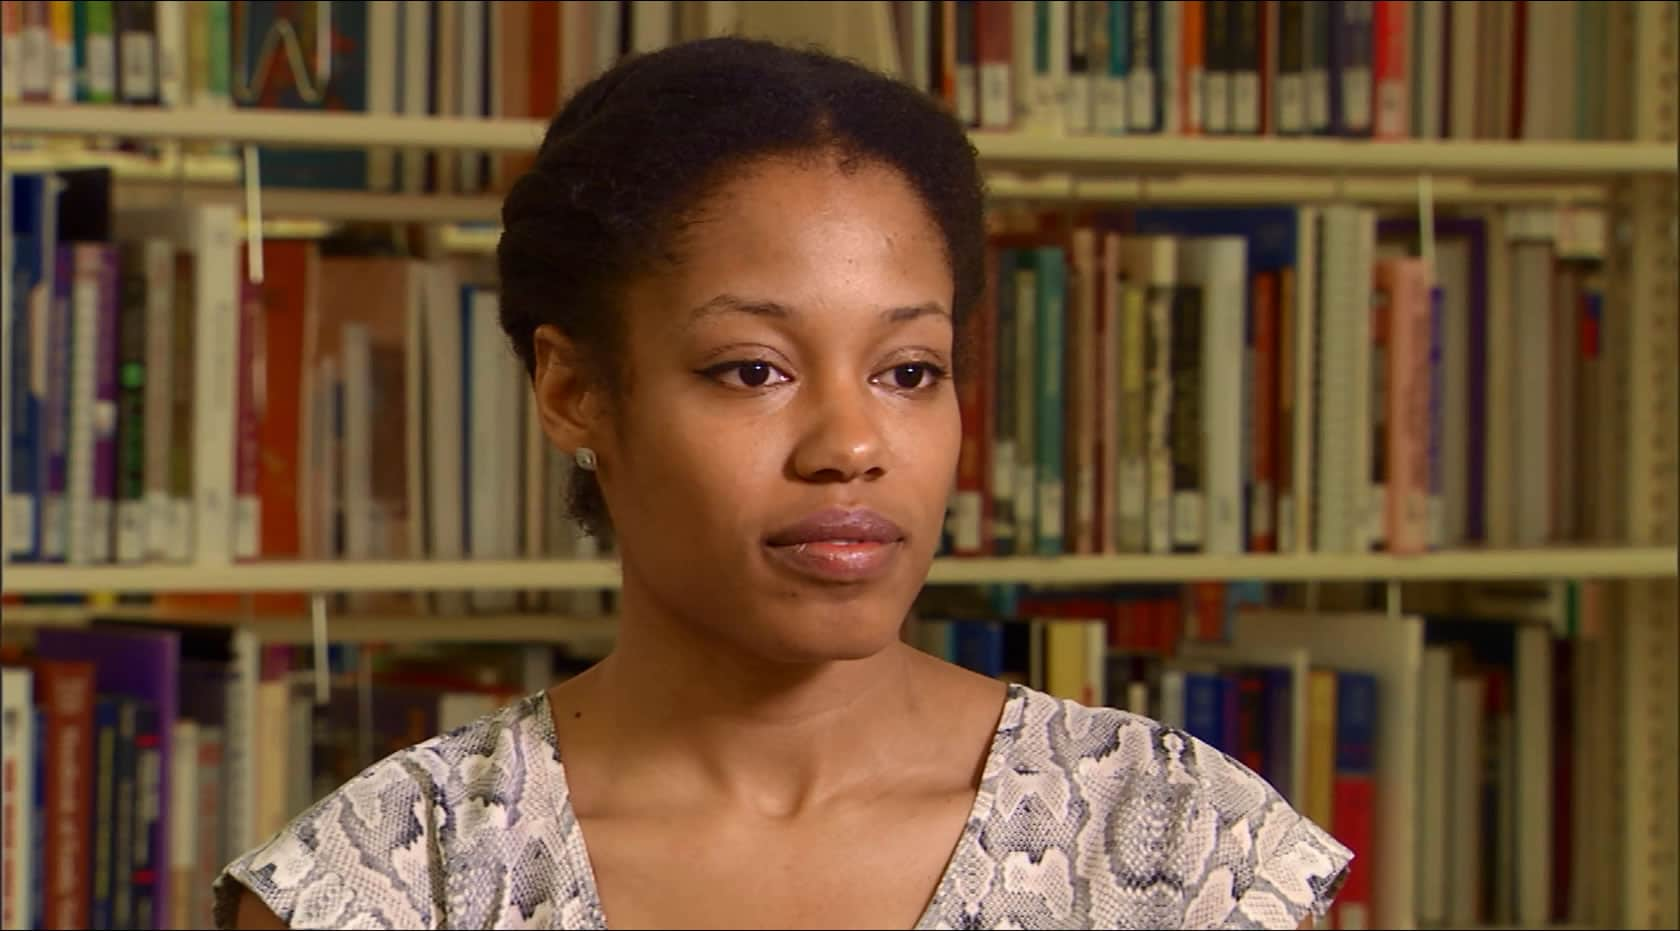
<point x="841" y="439"/>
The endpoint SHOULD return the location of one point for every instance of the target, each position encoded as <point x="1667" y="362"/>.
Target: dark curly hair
<point x="635" y="152"/>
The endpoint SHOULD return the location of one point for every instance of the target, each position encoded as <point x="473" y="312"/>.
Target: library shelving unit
<point x="1634" y="181"/>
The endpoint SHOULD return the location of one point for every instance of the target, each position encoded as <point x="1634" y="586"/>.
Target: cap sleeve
<point x="366" y="856"/>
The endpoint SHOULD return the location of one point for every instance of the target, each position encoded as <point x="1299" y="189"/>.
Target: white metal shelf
<point x="1082" y="154"/>
<point x="424" y="575"/>
<point x="343" y="628"/>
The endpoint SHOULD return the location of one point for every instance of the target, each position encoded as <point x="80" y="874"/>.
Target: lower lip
<point x="836" y="562"/>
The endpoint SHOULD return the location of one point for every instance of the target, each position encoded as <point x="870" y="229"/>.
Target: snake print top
<point x="1085" y="818"/>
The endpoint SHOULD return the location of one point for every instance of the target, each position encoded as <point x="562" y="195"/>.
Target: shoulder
<point x="1157" y="827"/>
<point x="385" y="849"/>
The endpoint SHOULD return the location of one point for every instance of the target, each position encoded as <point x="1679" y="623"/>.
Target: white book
<point x="492" y="467"/>
<point x="17" y="760"/>
<point x="383" y="37"/>
<point x="240" y="739"/>
<point x="214" y="238"/>
<point x="473" y="23"/>
<point x="445" y="424"/>
<point x="1435" y="709"/>
<point x="81" y="539"/>
<point x="1464" y="53"/>
<point x="1533" y="720"/>
<point x="416" y="85"/>
<point x="1391" y="649"/>
<point x="1530" y="338"/>
<point x="170" y="19"/>
<point x="1428" y="61"/>
<point x="651" y="25"/>
<point x="1343" y="406"/>
<point x="358" y="441"/>
<point x="1218" y="265"/>
<point x="183" y="825"/>
<point x="1464" y="802"/>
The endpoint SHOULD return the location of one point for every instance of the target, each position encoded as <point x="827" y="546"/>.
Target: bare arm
<point x="253" y="915"/>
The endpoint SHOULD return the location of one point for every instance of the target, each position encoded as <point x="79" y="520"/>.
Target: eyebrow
<point x="731" y="304"/>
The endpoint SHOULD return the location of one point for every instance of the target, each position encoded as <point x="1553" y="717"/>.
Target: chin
<point x="821" y="630"/>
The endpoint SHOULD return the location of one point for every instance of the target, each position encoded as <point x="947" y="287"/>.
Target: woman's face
<point x="778" y="471"/>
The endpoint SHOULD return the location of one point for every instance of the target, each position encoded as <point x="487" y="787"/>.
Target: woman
<point x="737" y="276"/>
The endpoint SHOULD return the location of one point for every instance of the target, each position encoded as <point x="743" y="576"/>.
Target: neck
<point x="701" y="715"/>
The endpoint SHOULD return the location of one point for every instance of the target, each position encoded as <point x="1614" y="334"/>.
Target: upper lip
<point x="856" y="525"/>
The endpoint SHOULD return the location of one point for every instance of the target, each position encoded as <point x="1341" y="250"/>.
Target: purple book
<point x="144" y="664"/>
<point x="105" y="403"/>
<point x="55" y="413"/>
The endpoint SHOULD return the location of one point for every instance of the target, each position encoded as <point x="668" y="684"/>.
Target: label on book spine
<point x="1140" y="108"/>
<point x="159" y="518"/>
<point x="247" y="517"/>
<point x="1079" y="104"/>
<point x="1188" y="518"/>
<point x="1134" y="498"/>
<point x="1160" y="504"/>
<point x="1356" y="98"/>
<point x="101" y="67"/>
<point x="1216" y="118"/>
<point x="180" y="530"/>
<point x="1111" y="104"/>
<point x="995" y="103"/>
<point x="968" y="103"/>
<point x="965" y="522"/>
<point x="1196" y="107"/>
<point x="98" y="530"/>
<point x="1260" y="510"/>
<point x="1292" y="103"/>
<point x="139" y="60"/>
<point x="52" y="528"/>
<point x="36" y="62"/>
<point x="1392" y="118"/>
<point x="1318" y="99"/>
<point x="1245" y="102"/>
<point x="1003" y="470"/>
<point x="20" y="518"/>
<point x="131" y="531"/>
<point x="1085" y="502"/>
<point x="1051" y="502"/>
<point x="1286" y="523"/>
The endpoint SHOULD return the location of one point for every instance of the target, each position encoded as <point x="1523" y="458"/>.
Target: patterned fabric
<point x="1085" y="818"/>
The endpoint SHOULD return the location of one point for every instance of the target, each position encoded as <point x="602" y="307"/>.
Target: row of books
<point x="1389" y="69"/>
<point x="1374" y="68"/>
<point x="140" y="759"/>
<point x="1449" y="750"/>
<point x="1149" y="381"/>
<point x="1281" y="379"/>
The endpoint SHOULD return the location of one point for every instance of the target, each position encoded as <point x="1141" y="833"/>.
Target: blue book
<point x="978" y="645"/>
<point x="102" y="845"/>
<point x="275" y="86"/>
<point x="1050" y="396"/>
<point x="1205" y="707"/>
<point x="1356" y="723"/>
<point x="33" y="236"/>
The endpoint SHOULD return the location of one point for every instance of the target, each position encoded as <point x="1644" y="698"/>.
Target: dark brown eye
<point x="913" y="375"/>
<point x="755" y="374"/>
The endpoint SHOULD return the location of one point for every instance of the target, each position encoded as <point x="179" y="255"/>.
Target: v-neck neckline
<point x="576" y="849"/>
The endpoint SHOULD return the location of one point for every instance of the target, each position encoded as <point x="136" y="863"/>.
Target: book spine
<point x="66" y="691"/>
<point x="1143" y="95"/>
<point x="1243" y="60"/>
<point x="11" y="49"/>
<point x="150" y="909"/>
<point x="994" y="40"/>
<point x="124" y="810"/>
<point x="1408" y="510"/>
<point x="1079" y="384"/>
<point x="137" y="68"/>
<point x="57" y="409"/>
<point x="182" y="407"/>
<point x="97" y="81"/>
<point x="31" y="298"/>
<point x="17" y="764"/>
<point x="62" y="61"/>
<point x="1134" y="424"/>
<point x="1003" y="454"/>
<point x="215" y="383"/>
<point x="1077" y="95"/>
<point x="1315" y="44"/>
<point x="1392" y="112"/>
<point x="1160" y="366"/>
<point x="1050" y="423"/>
<point x="1026" y="403"/>
<point x="966" y="56"/>
<point x="35" y="56"/>
<point x="1192" y="44"/>
<point x="1189" y="491"/>
<point x="1353" y="814"/>
<point x="1354" y="74"/>
<point x="102" y="524"/>
<point x="105" y="810"/>
<point x="1216" y="113"/>
<point x="1113" y="93"/>
<point x="131" y="409"/>
<point x="85" y="371"/>
<point x="1292" y="70"/>
<point x="247" y="521"/>
<point x="1263" y="435"/>
<point x="157" y="372"/>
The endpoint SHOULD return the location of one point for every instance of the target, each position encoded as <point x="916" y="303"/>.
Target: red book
<point x="1263" y="465"/>
<point x="1393" y="110"/>
<point x="290" y="281"/>
<point x="64" y="691"/>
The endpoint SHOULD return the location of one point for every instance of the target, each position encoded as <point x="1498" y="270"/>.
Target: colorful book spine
<point x="1352" y="819"/>
<point x="1050" y="432"/>
<point x="131" y="408"/>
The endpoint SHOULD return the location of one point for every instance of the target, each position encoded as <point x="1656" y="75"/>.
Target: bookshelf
<point x="1656" y="562"/>
<point x="1633" y="182"/>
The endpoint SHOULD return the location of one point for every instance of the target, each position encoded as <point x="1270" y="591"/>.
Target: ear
<point x="568" y="402"/>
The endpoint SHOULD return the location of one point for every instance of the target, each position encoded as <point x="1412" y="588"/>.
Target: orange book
<point x="1193" y="65"/>
<point x="1406" y="510"/>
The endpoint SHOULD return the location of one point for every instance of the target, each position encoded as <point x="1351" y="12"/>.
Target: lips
<point x="837" y="545"/>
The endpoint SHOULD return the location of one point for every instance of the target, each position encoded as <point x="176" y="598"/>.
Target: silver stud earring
<point x="585" y="458"/>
